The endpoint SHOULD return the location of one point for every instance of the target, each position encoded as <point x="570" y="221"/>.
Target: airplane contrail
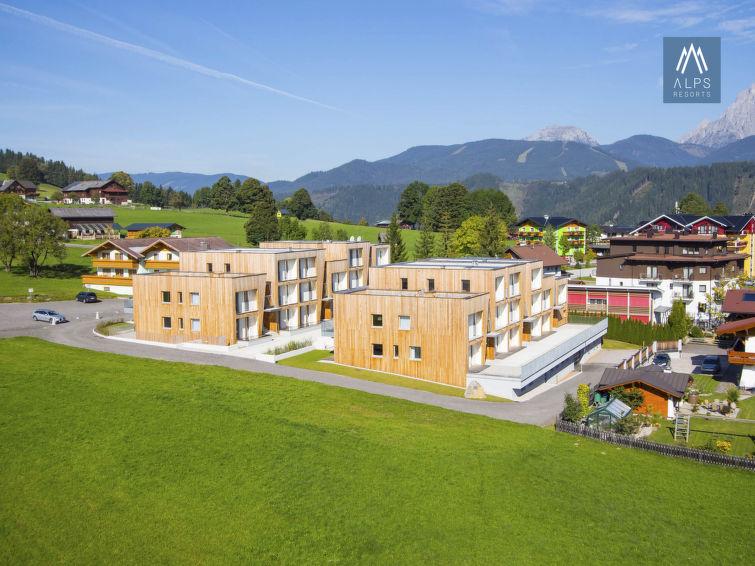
<point x="151" y="53"/>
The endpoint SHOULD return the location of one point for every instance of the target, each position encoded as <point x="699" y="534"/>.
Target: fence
<point x="668" y="346"/>
<point x="639" y="357"/>
<point x="665" y="449"/>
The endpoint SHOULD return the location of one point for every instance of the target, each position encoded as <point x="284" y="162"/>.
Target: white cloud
<point x="743" y="28"/>
<point x="151" y="53"/>
<point x="504" y="6"/>
<point x="635" y="15"/>
<point x="620" y="48"/>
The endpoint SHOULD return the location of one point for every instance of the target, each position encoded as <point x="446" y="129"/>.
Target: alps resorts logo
<point x="691" y="69"/>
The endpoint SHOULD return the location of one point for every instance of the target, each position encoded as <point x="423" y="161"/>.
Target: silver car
<point x="47" y="315"/>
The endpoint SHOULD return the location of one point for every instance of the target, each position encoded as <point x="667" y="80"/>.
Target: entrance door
<point x="475" y="354"/>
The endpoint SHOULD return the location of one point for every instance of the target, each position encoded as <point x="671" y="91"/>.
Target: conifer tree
<point x="445" y="241"/>
<point x="426" y="242"/>
<point x="398" y="250"/>
<point x="549" y="237"/>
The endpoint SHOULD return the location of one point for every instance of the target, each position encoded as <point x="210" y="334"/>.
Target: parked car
<point x="47" y="315"/>
<point x="662" y="360"/>
<point x="87" y="297"/>
<point x="711" y="364"/>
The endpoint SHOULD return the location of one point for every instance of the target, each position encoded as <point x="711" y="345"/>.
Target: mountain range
<point x="555" y="153"/>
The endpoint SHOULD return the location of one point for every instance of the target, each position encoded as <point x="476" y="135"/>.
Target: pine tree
<point x="549" y="238"/>
<point x="398" y="250"/>
<point x="445" y="241"/>
<point x="426" y="242"/>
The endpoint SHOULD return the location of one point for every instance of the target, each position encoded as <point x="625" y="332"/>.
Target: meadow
<point x="114" y="459"/>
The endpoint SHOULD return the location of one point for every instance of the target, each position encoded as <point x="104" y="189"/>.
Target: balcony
<point x="736" y="244"/>
<point x="105" y="280"/>
<point x="656" y="278"/>
<point x="684" y="297"/>
<point x="116" y="263"/>
<point x="742" y="358"/>
<point x="157" y="264"/>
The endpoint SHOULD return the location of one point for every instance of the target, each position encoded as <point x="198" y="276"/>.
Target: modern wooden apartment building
<point x="347" y="264"/>
<point x="523" y="302"/>
<point x="218" y="309"/>
<point x="294" y="279"/>
<point x="434" y="336"/>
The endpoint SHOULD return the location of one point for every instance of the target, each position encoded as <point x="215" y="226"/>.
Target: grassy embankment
<point x="108" y="458"/>
<point x="314" y="360"/>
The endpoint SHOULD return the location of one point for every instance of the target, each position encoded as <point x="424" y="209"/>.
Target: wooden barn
<point x="662" y="390"/>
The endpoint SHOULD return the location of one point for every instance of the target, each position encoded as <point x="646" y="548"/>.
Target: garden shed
<point x="661" y="390"/>
<point x="604" y="417"/>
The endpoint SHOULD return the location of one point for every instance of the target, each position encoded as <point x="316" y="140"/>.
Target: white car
<point x="47" y="315"/>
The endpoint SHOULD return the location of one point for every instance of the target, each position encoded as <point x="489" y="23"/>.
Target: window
<point x="209" y="268"/>
<point x="355" y="278"/>
<point x="194" y="299"/>
<point x="287" y="269"/>
<point x="377" y="321"/>
<point x="415" y="353"/>
<point x="355" y="258"/>
<point x="404" y="323"/>
<point x="307" y="291"/>
<point x="465" y="285"/>
<point x="703" y="288"/>
<point x="227" y="267"/>
<point x="306" y="267"/>
<point x="195" y="325"/>
<point x="703" y="270"/>
<point x="180" y="298"/>
<point x="166" y="323"/>
<point x="500" y="288"/>
<point x="431" y="284"/>
<point x="180" y="324"/>
<point x="166" y="296"/>
<point x="395" y="351"/>
<point x="339" y="282"/>
<point x="404" y="283"/>
<point x="688" y="272"/>
<point x="377" y="350"/>
<point x="600" y="302"/>
<point x="246" y="301"/>
<point x="287" y="294"/>
<point x="474" y="325"/>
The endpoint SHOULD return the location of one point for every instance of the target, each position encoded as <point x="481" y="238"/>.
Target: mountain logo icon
<point x="698" y="56"/>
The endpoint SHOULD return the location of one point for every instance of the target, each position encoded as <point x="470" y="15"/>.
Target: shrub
<point x="583" y="395"/>
<point x="572" y="409"/>
<point x="291" y="346"/>
<point x="103" y="327"/>
<point x="732" y="394"/>
<point x="632" y="397"/>
<point x="696" y="332"/>
<point x="629" y="424"/>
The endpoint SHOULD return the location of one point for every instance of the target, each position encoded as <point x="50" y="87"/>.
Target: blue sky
<point x="277" y="89"/>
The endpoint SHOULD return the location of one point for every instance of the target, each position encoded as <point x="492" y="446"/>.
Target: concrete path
<point x="15" y="320"/>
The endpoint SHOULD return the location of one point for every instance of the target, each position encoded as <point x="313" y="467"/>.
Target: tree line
<point x="29" y="167"/>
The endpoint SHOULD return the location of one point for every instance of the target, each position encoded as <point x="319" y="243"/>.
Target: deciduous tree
<point x="222" y="194"/>
<point x="410" y="204"/>
<point x="692" y="203"/>
<point x="40" y="236"/>
<point x="262" y="225"/>
<point x="154" y="232"/>
<point x="549" y="237"/>
<point x="564" y="245"/>
<point x="301" y="205"/>
<point x="291" y="229"/>
<point x="11" y="223"/>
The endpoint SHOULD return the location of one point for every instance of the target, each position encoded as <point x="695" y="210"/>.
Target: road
<point x="541" y="410"/>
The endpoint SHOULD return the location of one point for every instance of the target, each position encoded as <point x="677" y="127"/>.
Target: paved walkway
<point x="15" y="320"/>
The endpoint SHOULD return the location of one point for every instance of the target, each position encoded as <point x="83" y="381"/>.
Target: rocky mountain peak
<point x="737" y="122"/>
<point x="563" y="133"/>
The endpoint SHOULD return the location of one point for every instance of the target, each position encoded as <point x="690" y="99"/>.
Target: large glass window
<point x="404" y="323"/>
<point x="415" y="353"/>
<point x="194" y="299"/>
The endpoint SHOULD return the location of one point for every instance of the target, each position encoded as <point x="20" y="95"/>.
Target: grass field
<point x="741" y="435"/>
<point x="58" y="280"/>
<point x="114" y="459"/>
<point x="313" y="360"/>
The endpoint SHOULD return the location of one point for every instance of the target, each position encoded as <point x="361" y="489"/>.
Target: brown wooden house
<point x="27" y="190"/>
<point x="662" y="390"/>
<point x="95" y="192"/>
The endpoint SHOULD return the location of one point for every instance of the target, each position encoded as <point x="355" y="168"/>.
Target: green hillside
<point x="115" y="459"/>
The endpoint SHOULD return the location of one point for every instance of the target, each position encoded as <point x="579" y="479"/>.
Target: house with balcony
<point x="552" y="262"/>
<point x="738" y="228"/>
<point x="347" y="264"/>
<point x="520" y="338"/>
<point x="637" y="303"/>
<point x="681" y="266"/>
<point x="117" y="261"/>
<point x="531" y="231"/>
<point x="739" y="306"/>
<point x="218" y="309"/>
<point x="88" y="223"/>
<point x="27" y="190"/>
<point x="95" y="192"/>
<point x="293" y="280"/>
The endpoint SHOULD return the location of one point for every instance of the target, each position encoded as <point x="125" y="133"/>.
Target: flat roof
<point x="411" y="293"/>
<point x="488" y="263"/>
<point x="202" y="274"/>
<point x="258" y="250"/>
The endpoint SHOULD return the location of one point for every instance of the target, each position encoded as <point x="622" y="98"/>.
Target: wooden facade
<point x="436" y="323"/>
<point x="522" y="302"/>
<point x="347" y="264"/>
<point x="294" y="279"/>
<point x="209" y="308"/>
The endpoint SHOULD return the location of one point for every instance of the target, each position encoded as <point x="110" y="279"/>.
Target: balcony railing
<point x="684" y="297"/>
<point x="160" y="264"/>
<point x="742" y="358"/>
<point x="656" y="277"/>
<point x="116" y="263"/>
<point x="105" y="280"/>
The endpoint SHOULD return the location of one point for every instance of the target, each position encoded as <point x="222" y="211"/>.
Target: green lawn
<point x="706" y="383"/>
<point x="610" y="344"/>
<point x="312" y="360"/>
<point x="741" y="435"/>
<point x="115" y="459"/>
<point x="58" y="280"/>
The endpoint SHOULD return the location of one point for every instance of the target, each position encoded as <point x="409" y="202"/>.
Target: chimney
<point x="649" y="233"/>
<point x="676" y="235"/>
